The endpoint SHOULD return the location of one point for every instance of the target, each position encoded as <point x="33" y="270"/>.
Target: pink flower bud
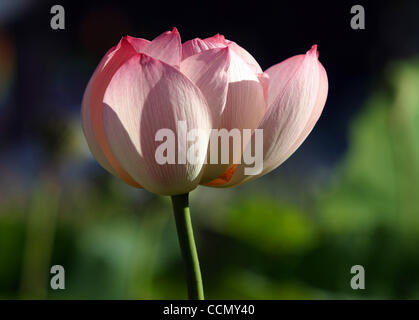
<point x="142" y="87"/>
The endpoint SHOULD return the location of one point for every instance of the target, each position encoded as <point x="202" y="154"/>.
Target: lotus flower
<point x="143" y="86"/>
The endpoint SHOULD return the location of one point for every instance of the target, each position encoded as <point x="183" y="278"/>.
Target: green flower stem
<point x="187" y="246"/>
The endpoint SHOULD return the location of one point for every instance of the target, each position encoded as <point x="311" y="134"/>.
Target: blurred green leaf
<point x="379" y="178"/>
<point x="267" y="224"/>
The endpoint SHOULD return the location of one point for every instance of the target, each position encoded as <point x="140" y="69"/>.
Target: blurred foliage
<point x="116" y="242"/>
<point x="372" y="208"/>
<point x="379" y="178"/>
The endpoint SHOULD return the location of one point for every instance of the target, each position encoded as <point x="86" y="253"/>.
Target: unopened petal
<point x="138" y="44"/>
<point x="297" y="94"/>
<point x="245" y="104"/>
<point x="197" y="45"/>
<point x="167" y="47"/>
<point x="264" y="81"/>
<point x="247" y="57"/>
<point x="245" y="107"/>
<point x="144" y="96"/>
<point x="315" y="114"/>
<point x="209" y="71"/>
<point x="192" y="47"/>
<point x="92" y="109"/>
<point x="295" y="109"/>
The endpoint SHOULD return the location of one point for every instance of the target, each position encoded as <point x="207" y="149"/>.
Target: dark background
<point x="58" y="206"/>
<point x="56" y="64"/>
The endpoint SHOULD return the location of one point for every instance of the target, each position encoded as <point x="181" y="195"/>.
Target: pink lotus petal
<point x="247" y="57"/>
<point x="244" y="109"/>
<point x="300" y="98"/>
<point x="209" y="71"/>
<point x="245" y="104"/>
<point x="264" y="81"/>
<point x="167" y="47"/>
<point x="315" y="114"/>
<point x="194" y="46"/>
<point x="146" y="95"/>
<point x="197" y="45"/>
<point x="138" y="44"/>
<point x="217" y="41"/>
<point x="92" y="109"/>
<point x="297" y="94"/>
